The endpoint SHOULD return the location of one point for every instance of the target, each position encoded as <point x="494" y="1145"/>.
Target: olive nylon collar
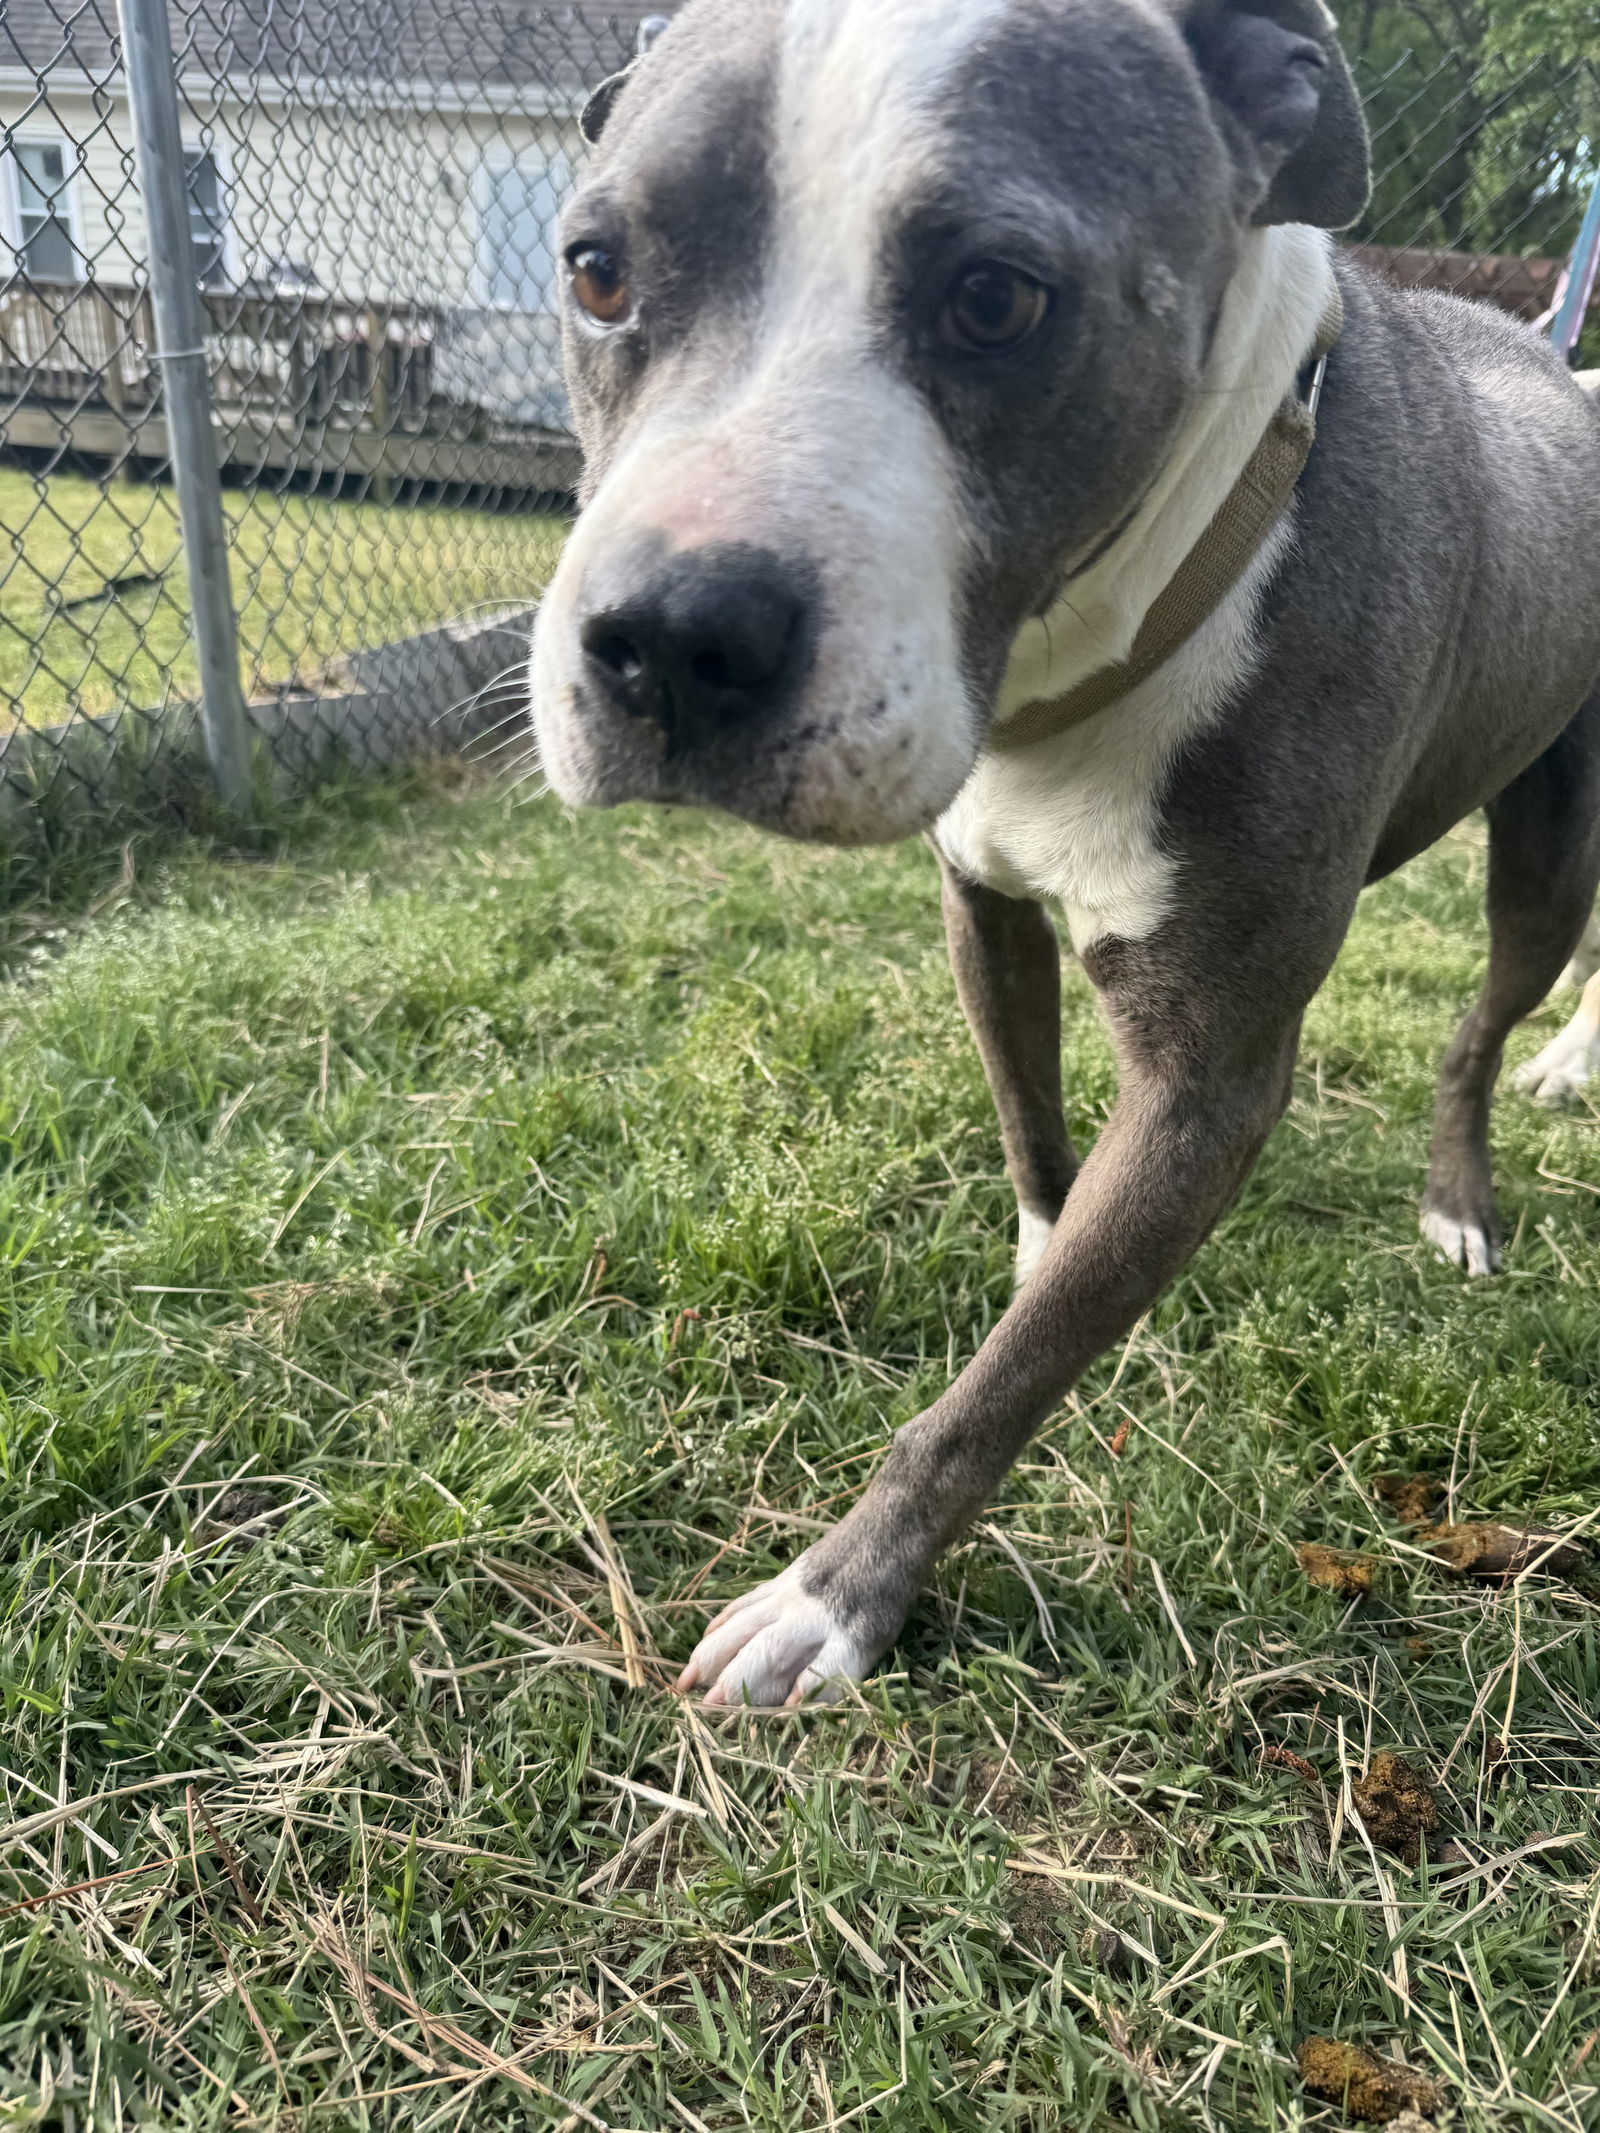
<point x="1210" y="571"/>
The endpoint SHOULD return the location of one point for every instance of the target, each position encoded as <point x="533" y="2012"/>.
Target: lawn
<point x="311" y="578"/>
<point x="444" y="1261"/>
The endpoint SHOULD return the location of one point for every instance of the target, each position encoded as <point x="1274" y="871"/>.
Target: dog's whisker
<point x="467" y="703"/>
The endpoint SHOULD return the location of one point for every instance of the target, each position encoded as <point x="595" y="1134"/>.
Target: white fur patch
<point x="1464" y="1244"/>
<point x="1571" y="1063"/>
<point x="776" y="1646"/>
<point x="860" y="83"/>
<point x="1033" y="1241"/>
<point x="1076" y="818"/>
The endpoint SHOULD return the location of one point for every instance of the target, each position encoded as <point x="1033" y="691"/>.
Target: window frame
<point x="65" y="210"/>
<point x="222" y="161"/>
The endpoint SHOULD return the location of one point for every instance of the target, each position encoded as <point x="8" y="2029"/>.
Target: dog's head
<point x="881" y="316"/>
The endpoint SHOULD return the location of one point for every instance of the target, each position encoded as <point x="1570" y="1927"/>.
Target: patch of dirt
<point x="675" y="1851"/>
<point x="1396" y="1803"/>
<point x="1337" y="1570"/>
<point x="1037" y="1912"/>
<point x="240" y="1507"/>
<point x="707" y="1961"/>
<point x="1494" y="1551"/>
<point x="996" y="1790"/>
<point x="868" y="1757"/>
<point x="1409" y="1498"/>
<point x="1105" y="1952"/>
<point x="1380" y="2092"/>
<point x="1122" y="1847"/>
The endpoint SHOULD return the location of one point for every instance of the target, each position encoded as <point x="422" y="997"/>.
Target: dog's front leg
<point x="1007" y="964"/>
<point x="1196" y="1106"/>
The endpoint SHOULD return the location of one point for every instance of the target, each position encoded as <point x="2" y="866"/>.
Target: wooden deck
<point x="521" y="462"/>
<point x="301" y="385"/>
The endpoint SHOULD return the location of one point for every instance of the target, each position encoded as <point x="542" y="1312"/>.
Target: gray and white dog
<point x="915" y="344"/>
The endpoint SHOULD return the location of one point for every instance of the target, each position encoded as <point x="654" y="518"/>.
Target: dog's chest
<point x="1077" y="820"/>
<point x="1085" y="835"/>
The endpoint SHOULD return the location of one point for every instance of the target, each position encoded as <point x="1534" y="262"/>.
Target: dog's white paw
<point x="776" y="1647"/>
<point x="1033" y="1241"/>
<point x="1465" y="1244"/>
<point x="1566" y="1067"/>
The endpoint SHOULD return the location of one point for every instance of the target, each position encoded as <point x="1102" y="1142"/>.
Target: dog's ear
<point x="597" y="111"/>
<point x="1277" y="72"/>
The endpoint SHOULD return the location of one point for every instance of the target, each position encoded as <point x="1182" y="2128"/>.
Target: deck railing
<point x="88" y="344"/>
<point x="316" y="356"/>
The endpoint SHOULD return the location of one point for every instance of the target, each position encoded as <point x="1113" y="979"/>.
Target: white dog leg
<point x="1564" y="1069"/>
<point x="1587" y="960"/>
<point x="1033" y="1238"/>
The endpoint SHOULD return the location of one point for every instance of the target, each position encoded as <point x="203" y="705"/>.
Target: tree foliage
<point x="1485" y="117"/>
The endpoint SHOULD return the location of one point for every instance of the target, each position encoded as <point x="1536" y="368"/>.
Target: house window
<point x="208" y="217"/>
<point x="522" y="204"/>
<point x="45" y="249"/>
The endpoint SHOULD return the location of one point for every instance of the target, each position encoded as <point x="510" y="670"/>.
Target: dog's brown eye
<point x="599" y="284"/>
<point x="993" y="308"/>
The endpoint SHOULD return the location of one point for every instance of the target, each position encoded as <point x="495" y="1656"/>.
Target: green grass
<point x="311" y="578"/>
<point x="429" y="1252"/>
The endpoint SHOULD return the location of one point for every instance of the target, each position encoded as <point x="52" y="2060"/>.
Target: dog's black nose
<point x="699" y="641"/>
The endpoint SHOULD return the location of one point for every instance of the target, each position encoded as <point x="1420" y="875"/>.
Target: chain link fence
<point x="1482" y="170"/>
<point x="365" y="194"/>
<point x="369" y="194"/>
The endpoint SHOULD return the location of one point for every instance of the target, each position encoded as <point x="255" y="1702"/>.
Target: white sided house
<point x="373" y="190"/>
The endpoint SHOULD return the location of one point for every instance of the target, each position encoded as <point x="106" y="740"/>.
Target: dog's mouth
<point x="735" y="676"/>
<point x="814" y="768"/>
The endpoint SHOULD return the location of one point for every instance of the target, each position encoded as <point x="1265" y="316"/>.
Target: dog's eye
<point x="599" y="284"/>
<point x="993" y="308"/>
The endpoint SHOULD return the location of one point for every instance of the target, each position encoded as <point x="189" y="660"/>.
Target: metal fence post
<point x="1572" y="308"/>
<point x="186" y="386"/>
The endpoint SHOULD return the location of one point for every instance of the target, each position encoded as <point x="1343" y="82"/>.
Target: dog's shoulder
<point x="1449" y="348"/>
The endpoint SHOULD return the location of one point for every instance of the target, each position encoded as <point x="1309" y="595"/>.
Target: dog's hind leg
<point x="1566" y="1067"/>
<point x="1586" y="962"/>
<point x="1544" y="866"/>
<point x="1007" y="964"/>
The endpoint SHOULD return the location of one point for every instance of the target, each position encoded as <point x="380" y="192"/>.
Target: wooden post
<point x="375" y="327"/>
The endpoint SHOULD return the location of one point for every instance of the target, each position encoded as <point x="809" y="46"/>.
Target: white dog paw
<point x="1033" y="1241"/>
<point x="1565" y="1068"/>
<point x="777" y="1647"/>
<point x="1467" y="1245"/>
